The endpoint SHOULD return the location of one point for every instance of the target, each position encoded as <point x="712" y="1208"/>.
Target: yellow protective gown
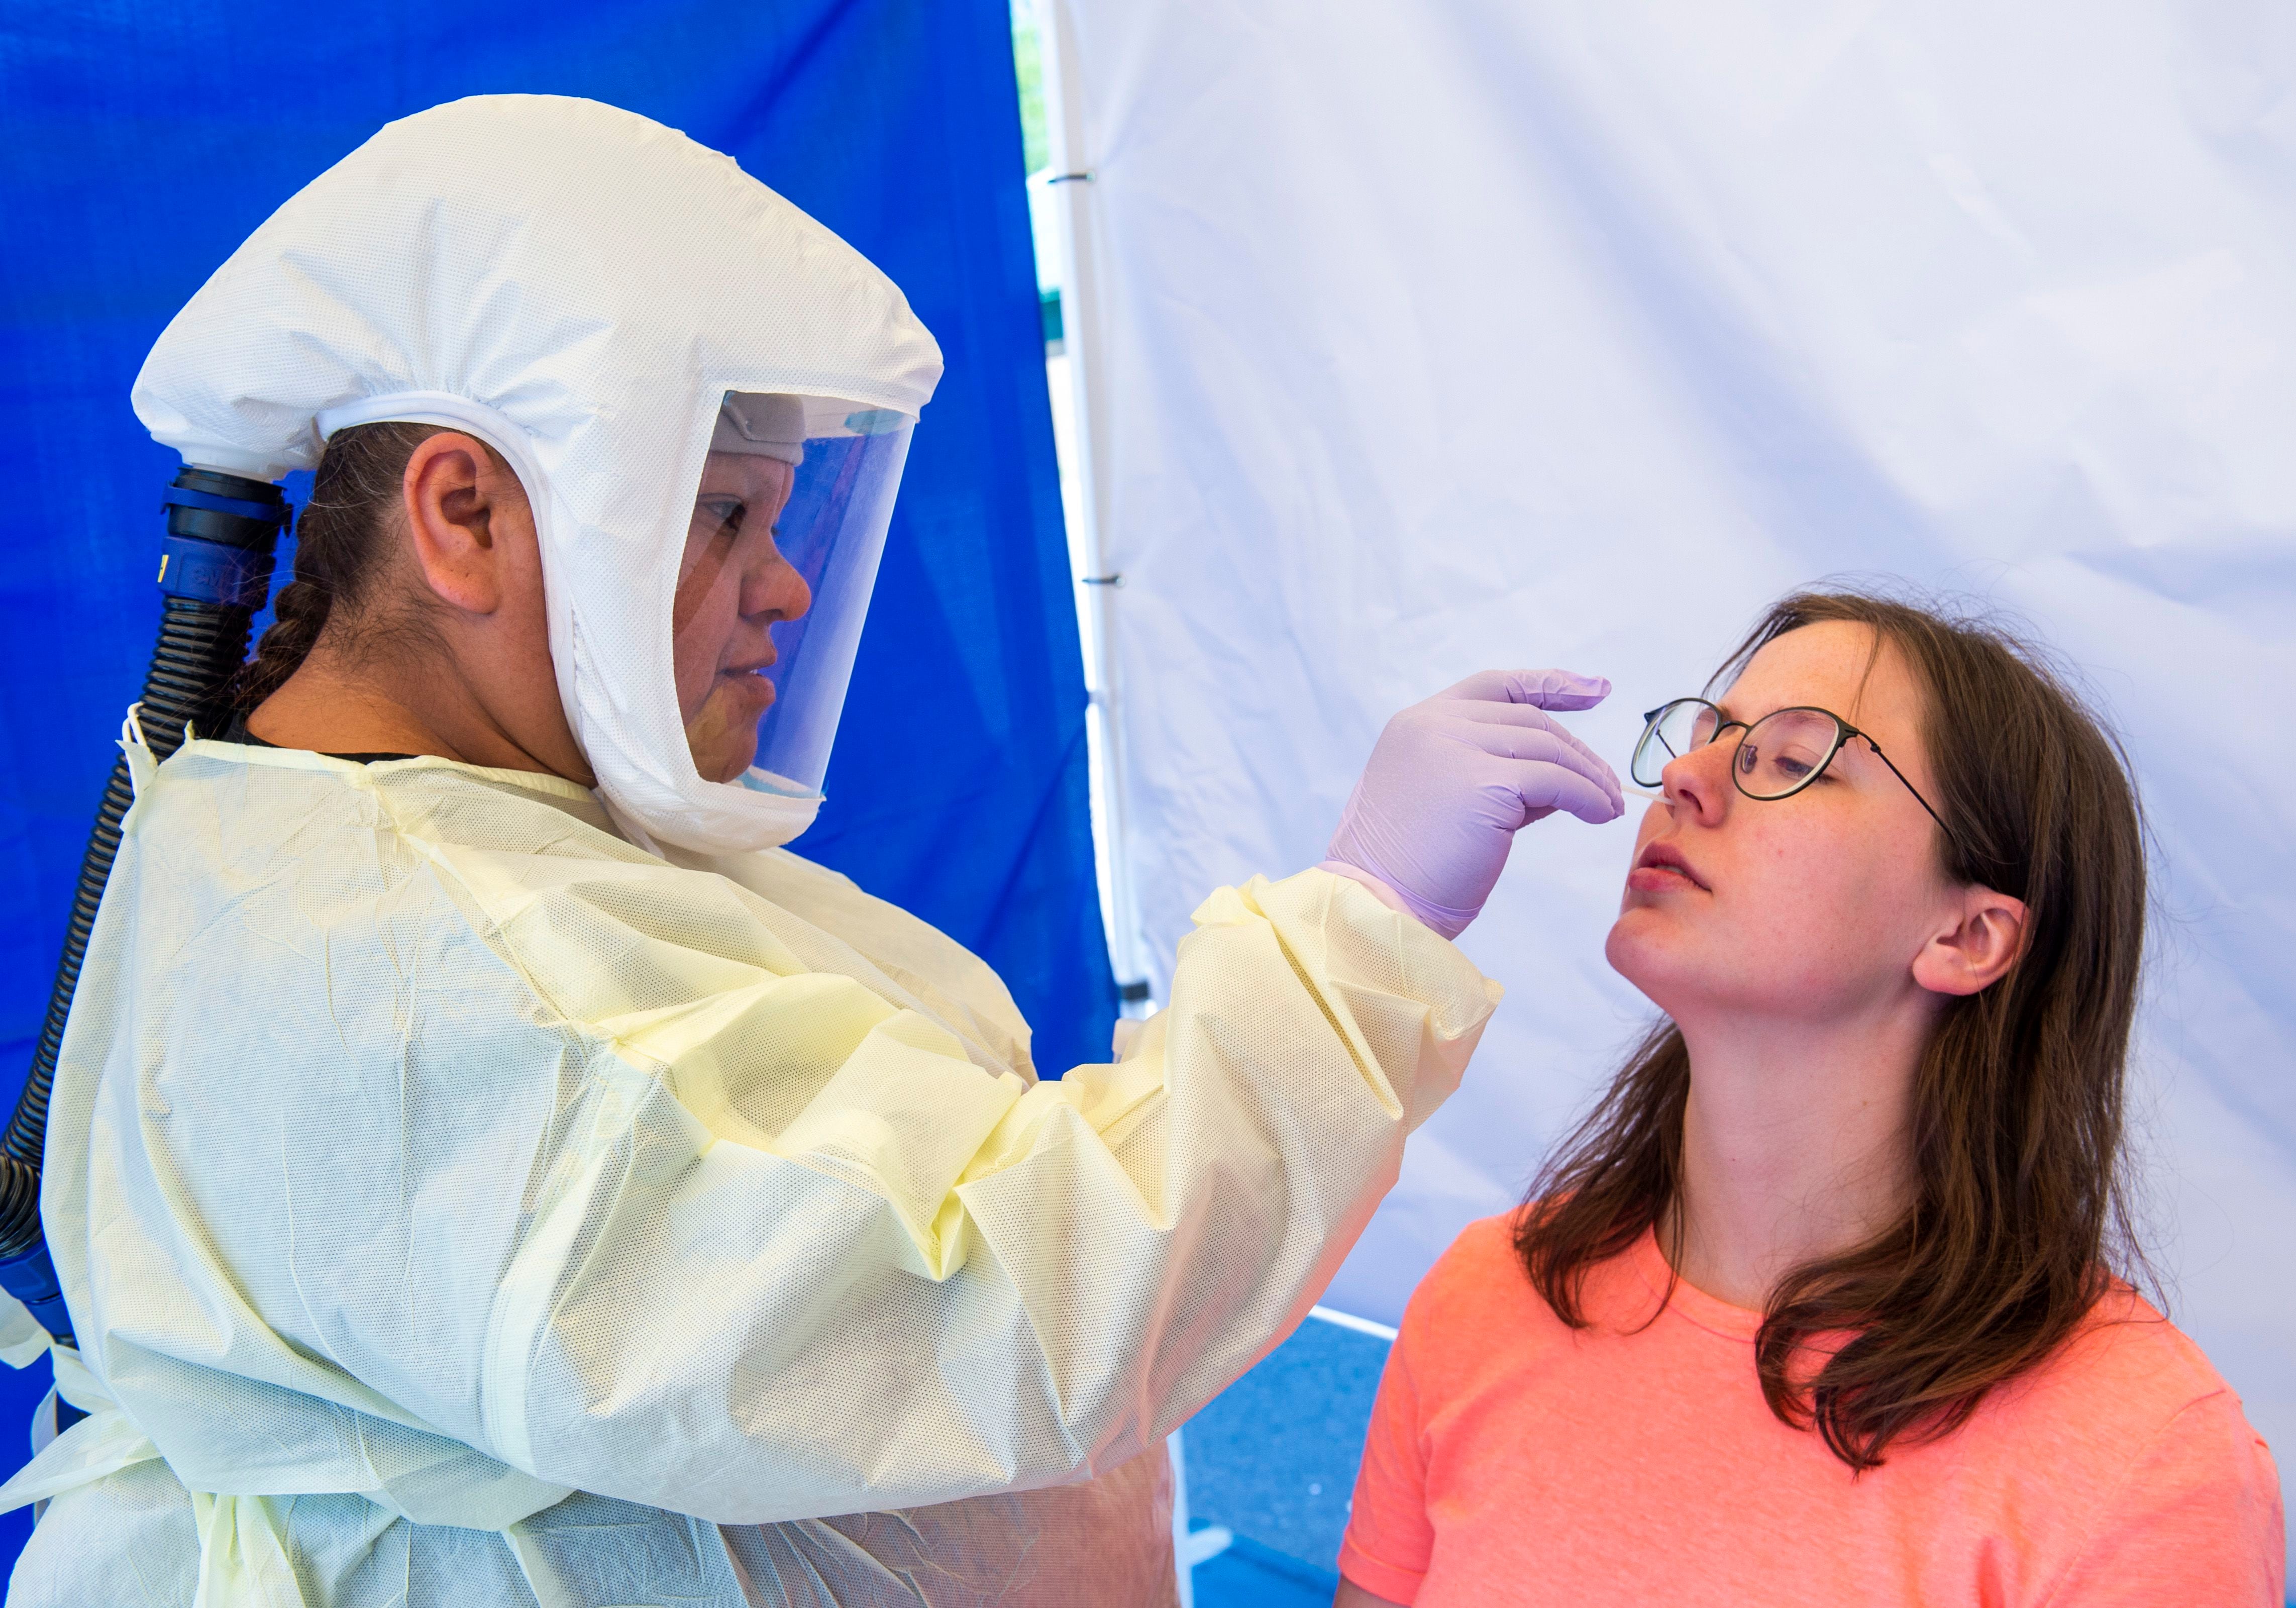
<point x="458" y="1204"/>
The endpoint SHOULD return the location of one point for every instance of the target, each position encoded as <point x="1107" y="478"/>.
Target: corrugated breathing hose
<point x="214" y="574"/>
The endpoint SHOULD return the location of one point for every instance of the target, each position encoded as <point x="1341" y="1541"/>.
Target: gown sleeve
<point x="399" y="1118"/>
<point x="932" y="1278"/>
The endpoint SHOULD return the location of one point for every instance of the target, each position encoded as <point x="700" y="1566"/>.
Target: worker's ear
<point x="464" y="511"/>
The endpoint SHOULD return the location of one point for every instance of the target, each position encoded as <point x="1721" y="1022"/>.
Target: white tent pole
<point x="1098" y="587"/>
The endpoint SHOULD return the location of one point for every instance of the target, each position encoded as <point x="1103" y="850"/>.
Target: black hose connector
<point x="214" y="574"/>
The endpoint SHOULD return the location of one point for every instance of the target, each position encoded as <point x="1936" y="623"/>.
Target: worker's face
<point x="732" y="584"/>
<point x="1813" y="906"/>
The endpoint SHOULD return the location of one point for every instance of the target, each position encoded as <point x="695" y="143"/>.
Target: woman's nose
<point x="1699" y="781"/>
<point x="774" y="590"/>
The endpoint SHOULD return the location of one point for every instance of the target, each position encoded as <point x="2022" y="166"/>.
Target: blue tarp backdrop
<point x="142" y="142"/>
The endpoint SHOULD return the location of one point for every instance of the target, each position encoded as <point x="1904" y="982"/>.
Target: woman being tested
<point x="484" y="1167"/>
<point x="1818" y="1305"/>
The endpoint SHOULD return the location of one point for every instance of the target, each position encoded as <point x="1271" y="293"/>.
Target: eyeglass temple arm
<point x="1910" y="788"/>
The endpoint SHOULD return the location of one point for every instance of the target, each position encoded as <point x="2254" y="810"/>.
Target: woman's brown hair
<point x="2018" y="1220"/>
<point x="340" y="548"/>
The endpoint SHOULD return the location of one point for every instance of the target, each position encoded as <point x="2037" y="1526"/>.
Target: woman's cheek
<point x="1818" y="898"/>
<point x="697" y="644"/>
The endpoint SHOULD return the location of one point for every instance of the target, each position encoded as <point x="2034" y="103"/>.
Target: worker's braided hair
<point x="339" y="547"/>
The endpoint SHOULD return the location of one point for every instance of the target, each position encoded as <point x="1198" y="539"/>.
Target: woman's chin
<point x="723" y="754"/>
<point x="1637" y="947"/>
<point x="725" y="767"/>
<point x="724" y="736"/>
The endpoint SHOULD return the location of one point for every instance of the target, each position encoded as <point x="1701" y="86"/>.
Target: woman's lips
<point x="1662" y="868"/>
<point x="750" y="686"/>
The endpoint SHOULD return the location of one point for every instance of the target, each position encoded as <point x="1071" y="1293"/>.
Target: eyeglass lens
<point x="1777" y="756"/>
<point x="1682" y="725"/>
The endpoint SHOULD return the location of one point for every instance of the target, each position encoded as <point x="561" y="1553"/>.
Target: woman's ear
<point x="1986" y="935"/>
<point x="459" y="504"/>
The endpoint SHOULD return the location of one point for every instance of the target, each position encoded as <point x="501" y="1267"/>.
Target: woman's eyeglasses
<point x="1776" y="756"/>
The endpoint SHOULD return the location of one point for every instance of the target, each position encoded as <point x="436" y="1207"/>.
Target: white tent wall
<point x="1436" y="336"/>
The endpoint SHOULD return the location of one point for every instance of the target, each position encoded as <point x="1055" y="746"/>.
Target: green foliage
<point x="1029" y="67"/>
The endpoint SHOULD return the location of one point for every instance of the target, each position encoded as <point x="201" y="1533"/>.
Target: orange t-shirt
<point x="1512" y="1460"/>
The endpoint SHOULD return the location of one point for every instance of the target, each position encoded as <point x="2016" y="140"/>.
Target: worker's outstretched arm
<point x="960" y="1283"/>
<point x="642" y="1184"/>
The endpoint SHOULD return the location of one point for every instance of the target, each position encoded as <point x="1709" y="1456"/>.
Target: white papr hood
<point x="580" y="287"/>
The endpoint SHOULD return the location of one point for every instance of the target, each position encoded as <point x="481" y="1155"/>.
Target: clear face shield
<point x="780" y="560"/>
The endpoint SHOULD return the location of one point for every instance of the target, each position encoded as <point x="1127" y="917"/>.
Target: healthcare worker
<point x="485" y="1166"/>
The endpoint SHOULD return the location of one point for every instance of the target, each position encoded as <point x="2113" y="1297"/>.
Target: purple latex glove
<point x="1454" y="778"/>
